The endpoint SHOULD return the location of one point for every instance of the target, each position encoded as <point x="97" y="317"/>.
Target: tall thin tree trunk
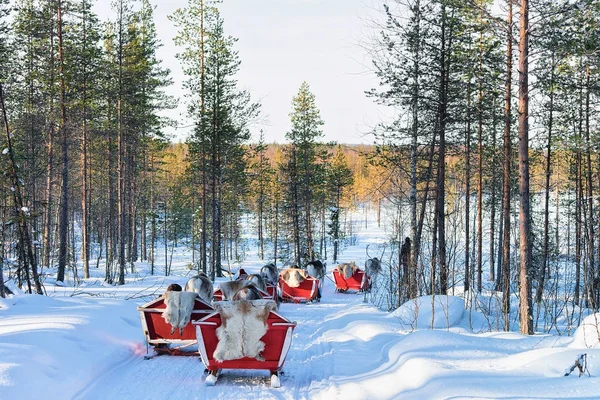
<point x="441" y="176"/>
<point x="2" y="247"/>
<point x="110" y="239"/>
<point x="507" y="161"/>
<point x="467" y="285"/>
<point x="590" y="217"/>
<point x="120" y="157"/>
<point x="276" y="232"/>
<point x="64" y="205"/>
<point x="578" y="223"/>
<point x="480" y="167"/>
<point x="412" y="268"/>
<point x="525" y="303"/>
<point x="85" y="245"/>
<point x="203" y="238"/>
<point x="492" y="276"/>
<point x="545" y="249"/>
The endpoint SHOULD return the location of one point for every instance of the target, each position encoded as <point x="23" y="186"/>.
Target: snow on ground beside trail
<point x="87" y="343"/>
<point x="587" y="334"/>
<point x="430" y="312"/>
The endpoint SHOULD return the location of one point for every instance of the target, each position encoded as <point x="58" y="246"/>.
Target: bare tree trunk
<point x="261" y="198"/>
<point x="441" y="176"/>
<point x="120" y="157"/>
<point x="423" y="210"/>
<point x="49" y="190"/>
<point x="85" y="237"/>
<point x="110" y="239"/>
<point x="203" y="238"/>
<point x="144" y="213"/>
<point x="578" y="223"/>
<point x="507" y="161"/>
<point x="64" y="205"/>
<point x="542" y="273"/>
<point x="590" y="217"/>
<point x="412" y="268"/>
<point x="492" y="276"/>
<point x="276" y="232"/>
<point x="467" y="285"/>
<point x="2" y="247"/>
<point x="153" y="220"/>
<point x="480" y="168"/>
<point x="525" y="303"/>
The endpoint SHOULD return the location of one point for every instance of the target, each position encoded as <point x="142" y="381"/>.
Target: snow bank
<point x="62" y="344"/>
<point x="418" y="313"/>
<point x="587" y="335"/>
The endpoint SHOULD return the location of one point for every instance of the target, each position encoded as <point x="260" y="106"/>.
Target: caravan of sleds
<point x="238" y="325"/>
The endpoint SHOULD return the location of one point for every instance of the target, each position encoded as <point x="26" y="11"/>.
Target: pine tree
<point x="340" y="179"/>
<point x="262" y="176"/>
<point x="300" y="170"/>
<point x="221" y="113"/>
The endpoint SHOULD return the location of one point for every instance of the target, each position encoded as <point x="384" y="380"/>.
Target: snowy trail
<point x="75" y="346"/>
<point x="312" y="358"/>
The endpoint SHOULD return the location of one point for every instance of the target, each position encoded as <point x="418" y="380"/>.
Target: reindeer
<point x="258" y="281"/>
<point x="317" y="270"/>
<point x="201" y="285"/>
<point x="249" y="292"/>
<point x="229" y="288"/>
<point x="269" y="273"/>
<point x="372" y="266"/>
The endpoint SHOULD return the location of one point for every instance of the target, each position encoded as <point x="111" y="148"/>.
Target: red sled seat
<point x="277" y="339"/>
<point x="306" y="292"/>
<point x="158" y="332"/>
<point x="358" y="281"/>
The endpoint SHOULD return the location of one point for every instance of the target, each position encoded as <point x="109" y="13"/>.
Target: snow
<point x="86" y="342"/>
<point x="444" y="311"/>
<point x="587" y="335"/>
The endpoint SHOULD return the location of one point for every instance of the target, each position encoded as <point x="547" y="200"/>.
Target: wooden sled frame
<point x="278" y="341"/>
<point x="158" y="332"/>
<point x="359" y="281"/>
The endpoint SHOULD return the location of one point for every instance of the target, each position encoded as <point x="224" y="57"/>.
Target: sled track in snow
<point x="173" y="377"/>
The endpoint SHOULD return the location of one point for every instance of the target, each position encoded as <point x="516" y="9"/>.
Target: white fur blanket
<point x="293" y="277"/>
<point x="243" y="324"/>
<point x="179" y="309"/>
<point x="347" y="269"/>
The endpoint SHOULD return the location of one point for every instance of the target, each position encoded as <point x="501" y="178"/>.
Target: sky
<point x="282" y="43"/>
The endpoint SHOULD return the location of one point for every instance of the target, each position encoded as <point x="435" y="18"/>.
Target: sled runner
<point x="358" y="281"/>
<point x="306" y="292"/>
<point x="158" y="332"/>
<point x="277" y="341"/>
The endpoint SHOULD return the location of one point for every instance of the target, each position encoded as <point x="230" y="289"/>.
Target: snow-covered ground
<point x="87" y="343"/>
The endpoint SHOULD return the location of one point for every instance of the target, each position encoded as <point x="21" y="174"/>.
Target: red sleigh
<point x="278" y="340"/>
<point x="358" y="281"/>
<point x="158" y="332"/>
<point x="306" y="292"/>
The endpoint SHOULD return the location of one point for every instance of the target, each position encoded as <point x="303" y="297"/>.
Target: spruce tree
<point x="301" y="170"/>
